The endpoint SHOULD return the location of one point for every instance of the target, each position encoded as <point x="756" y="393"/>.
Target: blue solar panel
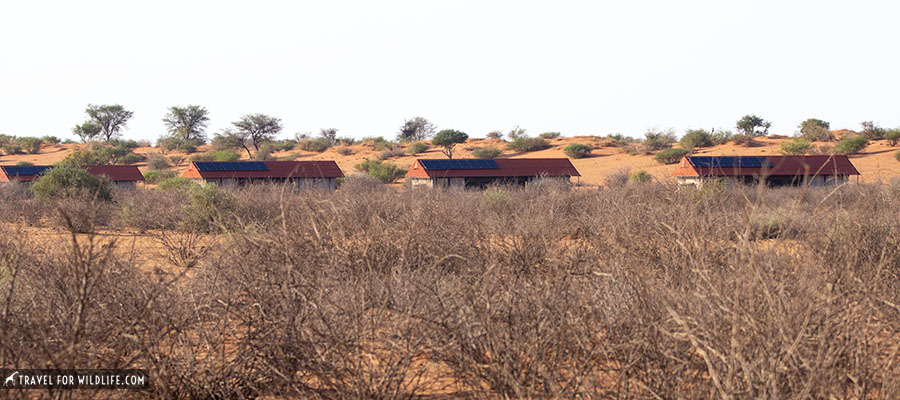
<point x="730" y="162"/>
<point x="25" y="169"/>
<point x="459" y="164"/>
<point x="231" y="166"/>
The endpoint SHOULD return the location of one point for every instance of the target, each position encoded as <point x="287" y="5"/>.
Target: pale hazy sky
<point x="578" y="67"/>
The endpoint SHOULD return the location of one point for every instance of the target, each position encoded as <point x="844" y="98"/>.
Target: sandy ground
<point x="876" y="163"/>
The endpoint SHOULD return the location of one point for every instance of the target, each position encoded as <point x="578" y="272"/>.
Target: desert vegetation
<point x="647" y="291"/>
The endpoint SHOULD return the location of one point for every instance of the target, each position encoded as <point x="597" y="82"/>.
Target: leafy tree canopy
<point x="448" y="139"/>
<point x="111" y="119"/>
<point x="187" y="123"/>
<point x="415" y="129"/>
<point x="753" y="126"/>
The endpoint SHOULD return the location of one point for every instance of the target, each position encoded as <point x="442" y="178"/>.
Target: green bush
<point x="386" y="172"/>
<point x="130" y="158"/>
<point x="218" y="155"/>
<point x="344" y="151"/>
<point x="640" y="177"/>
<point x="202" y="157"/>
<point x="155" y="176"/>
<point x="897" y="155"/>
<point x="816" y="130"/>
<point x="50" y="139"/>
<point x="175" y="143"/>
<point x="282" y="145"/>
<point x="176" y="183"/>
<point x="389" y="153"/>
<point x="226" y="142"/>
<point x="619" y="139"/>
<point x="157" y="161"/>
<point x="495" y="135"/>
<point x="317" y="145"/>
<point x="496" y="198"/>
<point x="550" y="135"/>
<point x="416" y="148"/>
<point x="634" y="149"/>
<point x="769" y="227"/>
<point x="63" y="182"/>
<point x="11" y="147"/>
<point x="721" y="137"/>
<point x="24" y="163"/>
<point x="577" y="150"/>
<point x="696" y="138"/>
<point x="654" y="140"/>
<point x="378" y="142"/>
<point x="206" y="205"/>
<point x="892" y="136"/>
<point x="527" y="144"/>
<point x="671" y="156"/>
<point x="516" y="133"/>
<point x="176" y="159"/>
<point x="851" y="145"/>
<point x="32" y="145"/>
<point x="188" y="147"/>
<point x="486" y="152"/>
<point x="872" y="131"/>
<point x="126" y="143"/>
<point x="100" y="155"/>
<point x="346" y="141"/>
<point x="744" y="139"/>
<point x="82" y="157"/>
<point x="796" y="147"/>
<point x="226" y="155"/>
<point x="265" y="152"/>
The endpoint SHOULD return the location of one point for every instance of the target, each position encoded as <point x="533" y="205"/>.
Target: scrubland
<point x="646" y="292"/>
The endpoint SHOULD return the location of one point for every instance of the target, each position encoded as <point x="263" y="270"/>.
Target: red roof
<point x="509" y="167"/>
<point x="277" y="170"/>
<point x="116" y="173"/>
<point x="4" y="177"/>
<point x="780" y="166"/>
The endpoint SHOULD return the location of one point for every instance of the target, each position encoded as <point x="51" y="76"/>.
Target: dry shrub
<point x="145" y="209"/>
<point x="618" y="178"/>
<point x="651" y="291"/>
<point x="18" y="205"/>
<point x="81" y="214"/>
<point x="83" y="303"/>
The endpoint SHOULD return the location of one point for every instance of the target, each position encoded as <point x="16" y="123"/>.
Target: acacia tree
<point x="111" y="119"/>
<point x="416" y="129"/>
<point x="187" y="123"/>
<point x="753" y="126"/>
<point x="257" y="128"/>
<point x="871" y="130"/>
<point x="448" y="139"/>
<point x="86" y="131"/>
<point x="233" y="139"/>
<point x="329" y="134"/>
